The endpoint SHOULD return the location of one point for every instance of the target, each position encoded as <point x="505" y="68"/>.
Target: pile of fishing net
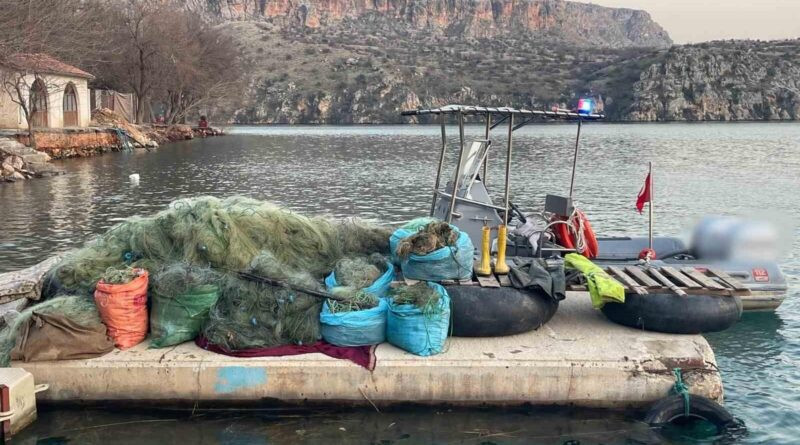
<point x="209" y="241"/>
<point x="430" y="237"/>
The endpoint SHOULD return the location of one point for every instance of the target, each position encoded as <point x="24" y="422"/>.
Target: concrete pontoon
<point x="579" y="358"/>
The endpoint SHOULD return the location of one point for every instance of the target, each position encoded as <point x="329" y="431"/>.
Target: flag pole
<point x="650" y="207"/>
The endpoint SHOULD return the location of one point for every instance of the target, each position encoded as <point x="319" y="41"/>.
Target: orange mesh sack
<point x="123" y="308"/>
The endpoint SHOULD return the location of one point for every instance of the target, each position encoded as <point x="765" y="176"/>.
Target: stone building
<point x="57" y="92"/>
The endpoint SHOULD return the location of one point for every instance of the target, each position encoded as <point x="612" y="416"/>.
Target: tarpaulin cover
<point x="418" y="331"/>
<point x="361" y="355"/>
<point x="56" y="337"/>
<point x="540" y="274"/>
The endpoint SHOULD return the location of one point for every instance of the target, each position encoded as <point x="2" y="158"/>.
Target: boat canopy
<point x="470" y="163"/>
<point x="472" y="109"/>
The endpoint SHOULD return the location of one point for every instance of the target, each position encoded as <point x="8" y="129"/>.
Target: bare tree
<point x="170" y="56"/>
<point x="31" y="31"/>
<point x="204" y="69"/>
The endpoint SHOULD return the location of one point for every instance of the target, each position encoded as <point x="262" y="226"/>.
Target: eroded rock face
<point x="721" y="81"/>
<point x="578" y="22"/>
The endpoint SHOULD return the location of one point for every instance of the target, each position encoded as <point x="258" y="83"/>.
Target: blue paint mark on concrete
<point x="234" y="378"/>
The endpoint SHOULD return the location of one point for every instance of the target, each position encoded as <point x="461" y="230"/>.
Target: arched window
<point x="38" y="104"/>
<point x="70" y="106"/>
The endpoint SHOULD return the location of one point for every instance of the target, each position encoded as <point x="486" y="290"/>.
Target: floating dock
<point x="579" y="358"/>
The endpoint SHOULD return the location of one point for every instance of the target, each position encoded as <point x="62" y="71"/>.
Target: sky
<point x="692" y="21"/>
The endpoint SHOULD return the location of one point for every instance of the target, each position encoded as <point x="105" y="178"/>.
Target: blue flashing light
<point x="585" y="106"/>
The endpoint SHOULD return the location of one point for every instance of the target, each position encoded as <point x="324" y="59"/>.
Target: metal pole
<point x="442" y="119"/>
<point x="575" y="159"/>
<point x="458" y="166"/>
<point x="650" y="207"/>
<point x="486" y="157"/>
<point x="508" y="167"/>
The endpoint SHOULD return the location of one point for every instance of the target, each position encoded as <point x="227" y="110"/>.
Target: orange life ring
<point x="561" y="231"/>
<point x="592" y="248"/>
<point x="566" y="238"/>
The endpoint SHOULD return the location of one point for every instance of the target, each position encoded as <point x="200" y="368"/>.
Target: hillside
<point x="359" y="61"/>
<point x="741" y="80"/>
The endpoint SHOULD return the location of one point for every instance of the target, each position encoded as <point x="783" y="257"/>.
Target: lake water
<point x="386" y="173"/>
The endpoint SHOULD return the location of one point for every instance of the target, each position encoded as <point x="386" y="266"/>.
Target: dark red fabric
<point x="644" y="194"/>
<point x="360" y="355"/>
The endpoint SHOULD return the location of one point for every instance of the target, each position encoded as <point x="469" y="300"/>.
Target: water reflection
<point x="386" y="173"/>
<point x="417" y="426"/>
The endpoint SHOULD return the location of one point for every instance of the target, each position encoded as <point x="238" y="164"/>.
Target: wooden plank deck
<point x="645" y="279"/>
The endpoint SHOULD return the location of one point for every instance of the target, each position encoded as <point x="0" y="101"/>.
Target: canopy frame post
<point x="442" y="121"/>
<point x="486" y="157"/>
<point x="458" y="167"/>
<point x="508" y="167"/>
<point x="575" y="159"/>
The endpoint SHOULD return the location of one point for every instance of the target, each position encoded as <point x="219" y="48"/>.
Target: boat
<point x="681" y="270"/>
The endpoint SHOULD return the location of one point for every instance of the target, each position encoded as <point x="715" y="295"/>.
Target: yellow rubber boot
<point x="500" y="267"/>
<point x="485" y="268"/>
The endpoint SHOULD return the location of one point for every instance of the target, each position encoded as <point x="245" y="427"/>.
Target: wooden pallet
<point x="644" y="280"/>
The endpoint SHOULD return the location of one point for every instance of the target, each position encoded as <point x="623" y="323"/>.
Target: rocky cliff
<point x="724" y="81"/>
<point x="570" y="21"/>
<point x="361" y="61"/>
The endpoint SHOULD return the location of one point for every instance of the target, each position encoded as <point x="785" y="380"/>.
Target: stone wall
<point x="61" y="144"/>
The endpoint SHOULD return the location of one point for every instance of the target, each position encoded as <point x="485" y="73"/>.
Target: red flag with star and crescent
<point x="644" y="194"/>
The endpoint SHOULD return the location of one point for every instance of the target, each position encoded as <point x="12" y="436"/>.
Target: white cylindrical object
<point x="134" y="179"/>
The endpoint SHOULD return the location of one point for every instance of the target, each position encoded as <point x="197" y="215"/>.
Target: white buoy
<point x="134" y="179"/>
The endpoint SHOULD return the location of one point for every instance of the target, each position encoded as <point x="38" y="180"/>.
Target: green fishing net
<point x="209" y="240"/>
<point x="225" y="234"/>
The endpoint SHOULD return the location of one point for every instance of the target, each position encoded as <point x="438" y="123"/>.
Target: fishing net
<point x="351" y="299"/>
<point x="209" y="240"/>
<point x="181" y="299"/>
<point x="419" y="295"/>
<point x="252" y="315"/>
<point x="433" y="236"/>
<point x="359" y="272"/>
<point x="224" y="234"/>
<point x="354" y="283"/>
<point x="79" y="309"/>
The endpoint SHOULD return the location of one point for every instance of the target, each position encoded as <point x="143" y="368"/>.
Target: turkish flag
<point x="644" y="194"/>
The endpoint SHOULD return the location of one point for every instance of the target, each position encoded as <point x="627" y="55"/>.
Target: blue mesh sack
<point x="357" y="328"/>
<point x="418" y="331"/>
<point x="447" y="263"/>
<point x="379" y="287"/>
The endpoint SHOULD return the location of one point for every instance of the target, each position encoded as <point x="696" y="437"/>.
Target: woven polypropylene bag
<point x="123" y="308"/>
<point x="179" y="318"/>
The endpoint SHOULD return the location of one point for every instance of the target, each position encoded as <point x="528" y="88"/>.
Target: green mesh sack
<point x="179" y="318"/>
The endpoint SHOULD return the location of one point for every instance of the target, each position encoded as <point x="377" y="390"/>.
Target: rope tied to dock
<point x="682" y="390"/>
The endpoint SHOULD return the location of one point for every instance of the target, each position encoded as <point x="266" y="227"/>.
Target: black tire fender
<point x="670" y="408"/>
<point x="497" y="311"/>
<point x="676" y="314"/>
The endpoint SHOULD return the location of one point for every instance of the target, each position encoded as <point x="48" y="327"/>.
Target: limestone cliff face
<point x="573" y="22"/>
<point x="721" y="81"/>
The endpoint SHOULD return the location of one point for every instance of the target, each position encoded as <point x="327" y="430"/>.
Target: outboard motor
<point x="722" y="238"/>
